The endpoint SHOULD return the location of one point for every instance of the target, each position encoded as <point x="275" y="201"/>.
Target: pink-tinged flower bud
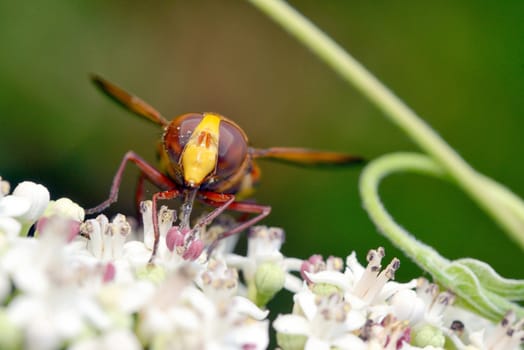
<point x="174" y="238"/>
<point x="194" y="250"/>
<point x="109" y="273"/>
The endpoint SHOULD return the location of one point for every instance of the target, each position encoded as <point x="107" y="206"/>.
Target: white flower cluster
<point x="89" y="284"/>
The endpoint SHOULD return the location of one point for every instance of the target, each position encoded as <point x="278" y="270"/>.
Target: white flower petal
<point x="252" y="336"/>
<point x="94" y="244"/>
<point x="477" y="339"/>
<point x="407" y="346"/>
<point x="292" y="324"/>
<point x="471" y="321"/>
<point x="9" y="227"/>
<point x="120" y="339"/>
<point x="154" y="321"/>
<point x="23" y="263"/>
<point x="22" y="310"/>
<point x="314" y="343"/>
<point x="335" y="278"/>
<point x="293" y="264"/>
<point x="14" y="206"/>
<point x="86" y="344"/>
<point x="392" y="287"/>
<point x="199" y="302"/>
<point x="186" y="319"/>
<point x="234" y="260"/>
<point x="92" y="311"/>
<point x="66" y="208"/>
<point x="349" y="342"/>
<point x="355" y="302"/>
<point x="354" y="320"/>
<point x="354" y="269"/>
<point x="136" y="253"/>
<point x="246" y="307"/>
<point x="292" y="283"/>
<point x="40" y="335"/>
<point x="66" y="320"/>
<point x="127" y="297"/>
<point x="406" y="305"/>
<point x="306" y="300"/>
<point x="116" y="339"/>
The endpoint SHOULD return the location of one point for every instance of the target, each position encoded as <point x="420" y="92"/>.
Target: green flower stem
<point x="477" y="285"/>
<point x="505" y="207"/>
<point x="425" y="256"/>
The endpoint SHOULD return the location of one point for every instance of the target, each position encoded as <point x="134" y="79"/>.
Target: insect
<point x="203" y="156"/>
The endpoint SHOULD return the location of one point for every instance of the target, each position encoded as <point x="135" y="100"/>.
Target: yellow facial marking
<point x="200" y="154"/>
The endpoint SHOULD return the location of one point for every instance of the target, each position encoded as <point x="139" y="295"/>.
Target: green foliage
<point x="476" y="287"/>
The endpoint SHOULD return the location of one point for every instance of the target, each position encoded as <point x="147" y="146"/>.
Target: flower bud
<point x="291" y="341"/>
<point x="269" y="280"/>
<point x="10" y="335"/>
<point x="153" y="273"/>
<point x="38" y="196"/>
<point x="66" y="208"/>
<point x="323" y="289"/>
<point x="428" y="335"/>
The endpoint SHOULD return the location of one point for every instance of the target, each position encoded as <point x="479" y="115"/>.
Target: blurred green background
<point x="458" y="64"/>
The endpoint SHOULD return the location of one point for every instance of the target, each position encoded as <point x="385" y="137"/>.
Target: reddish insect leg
<point x="221" y="201"/>
<point x="226" y="201"/>
<point x="139" y="191"/>
<point x="160" y="196"/>
<point x="261" y="210"/>
<point x="146" y="170"/>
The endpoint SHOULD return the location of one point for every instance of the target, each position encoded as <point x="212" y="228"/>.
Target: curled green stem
<point x="425" y="256"/>
<point x="477" y="285"/>
<point x="474" y="282"/>
<point x="504" y="207"/>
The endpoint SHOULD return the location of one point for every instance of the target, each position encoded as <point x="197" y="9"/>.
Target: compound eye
<point x="178" y="133"/>
<point x="232" y="149"/>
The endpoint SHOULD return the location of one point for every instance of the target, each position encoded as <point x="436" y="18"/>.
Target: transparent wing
<point x="304" y="156"/>
<point x="129" y="101"/>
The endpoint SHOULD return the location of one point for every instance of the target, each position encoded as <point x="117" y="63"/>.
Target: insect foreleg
<point x="149" y="172"/>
